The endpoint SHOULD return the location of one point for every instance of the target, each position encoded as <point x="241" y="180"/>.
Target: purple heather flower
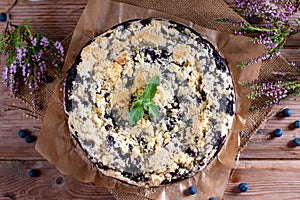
<point x="24" y="70"/>
<point x="33" y="42"/>
<point x="13" y="68"/>
<point x="44" y="42"/>
<point x="40" y="54"/>
<point x="19" y="54"/>
<point x="4" y="74"/>
<point x="59" y="47"/>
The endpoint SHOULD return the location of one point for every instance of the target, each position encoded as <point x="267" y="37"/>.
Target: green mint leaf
<point x="144" y="102"/>
<point x="151" y="89"/>
<point x="136" y="112"/>
<point x="153" y="110"/>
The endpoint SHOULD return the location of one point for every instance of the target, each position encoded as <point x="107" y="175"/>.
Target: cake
<point x="194" y="101"/>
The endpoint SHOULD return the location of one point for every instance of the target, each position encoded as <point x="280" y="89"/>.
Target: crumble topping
<point x="196" y="101"/>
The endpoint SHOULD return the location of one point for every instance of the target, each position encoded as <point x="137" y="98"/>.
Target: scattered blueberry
<point x="212" y="198"/>
<point x="192" y="190"/>
<point x="297" y="141"/>
<point x="34" y="173"/>
<point x="29" y="139"/>
<point x="297" y="124"/>
<point x="243" y="134"/>
<point x="287" y="112"/>
<point x="277" y="132"/>
<point x="22" y="133"/>
<point x="46" y="79"/>
<point x="243" y="187"/>
<point x="3" y="17"/>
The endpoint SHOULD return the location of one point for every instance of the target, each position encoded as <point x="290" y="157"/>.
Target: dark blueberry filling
<point x="229" y="107"/>
<point x="101" y="166"/>
<point x="107" y="35"/>
<point x="140" y="177"/>
<point x="108" y="127"/>
<point x="220" y="62"/>
<point x="155" y="54"/>
<point x="190" y="152"/>
<point x="203" y="95"/>
<point x="110" y="140"/>
<point x="162" y="54"/>
<point x="146" y="22"/>
<point x="106" y="95"/>
<point x="198" y="100"/>
<point x="89" y="143"/>
<point x="130" y="146"/>
<point x="107" y="116"/>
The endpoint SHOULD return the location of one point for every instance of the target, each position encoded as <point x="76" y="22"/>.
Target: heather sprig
<point x="283" y="85"/>
<point x="27" y="55"/>
<point x="273" y="29"/>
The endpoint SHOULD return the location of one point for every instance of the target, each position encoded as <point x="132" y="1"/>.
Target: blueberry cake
<point x="195" y="98"/>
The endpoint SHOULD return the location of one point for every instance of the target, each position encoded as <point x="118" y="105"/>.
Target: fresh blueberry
<point x="297" y="141"/>
<point x="243" y="187"/>
<point x="3" y="17"/>
<point x="192" y="190"/>
<point x="243" y="134"/>
<point x="46" y="79"/>
<point x="297" y="124"/>
<point x="29" y="139"/>
<point x="212" y="198"/>
<point x="287" y="112"/>
<point x="34" y="173"/>
<point x="277" y="132"/>
<point x="22" y="133"/>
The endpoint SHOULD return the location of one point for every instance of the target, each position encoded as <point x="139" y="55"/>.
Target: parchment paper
<point x="55" y="142"/>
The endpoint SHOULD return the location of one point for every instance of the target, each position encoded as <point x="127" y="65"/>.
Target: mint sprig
<point x="144" y="103"/>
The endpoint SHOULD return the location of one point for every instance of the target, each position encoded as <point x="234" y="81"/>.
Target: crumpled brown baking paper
<point x="55" y="142"/>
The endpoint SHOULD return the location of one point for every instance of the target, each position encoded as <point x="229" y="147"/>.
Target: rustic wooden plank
<point x="291" y="55"/>
<point x="264" y="146"/>
<point x="16" y="184"/>
<point x="261" y="166"/>
<point x="46" y="16"/>
<point x="11" y="146"/>
<point x="266" y="180"/>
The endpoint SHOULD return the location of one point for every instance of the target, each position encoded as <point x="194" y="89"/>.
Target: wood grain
<point x="16" y="184"/>
<point x="265" y="146"/>
<point x="270" y="166"/>
<point x="54" y="17"/>
<point x="266" y="180"/>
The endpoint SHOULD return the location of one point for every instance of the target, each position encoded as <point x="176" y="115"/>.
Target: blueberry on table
<point x="297" y="141"/>
<point x="192" y="190"/>
<point x="243" y="187"/>
<point x="243" y="134"/>
<point x="3" y="17"/>
<point x="34" y="173"/>
<point x="297" y="124"/>
<point x="22" y="133"/>
<point x="29" y="139"/>
<point x="287" y="112"/>
<point x="212" y="198"/>
<point x="277" y="132"/>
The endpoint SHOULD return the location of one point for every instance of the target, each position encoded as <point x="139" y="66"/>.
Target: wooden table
<point x="271" y="167"/>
